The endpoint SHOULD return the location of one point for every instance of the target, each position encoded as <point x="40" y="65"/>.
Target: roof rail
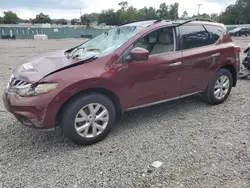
<point x="161" y="19"/>
<point x="158" y="21"/>
<point x="195" y="19"/>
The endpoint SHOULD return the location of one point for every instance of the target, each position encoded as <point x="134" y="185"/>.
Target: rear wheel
<point x="219" y="87"/>
<point x="88" y="119"/>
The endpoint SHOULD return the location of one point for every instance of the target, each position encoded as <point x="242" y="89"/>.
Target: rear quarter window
<point x="215" y="31"/>
<point x="194" y="36"/>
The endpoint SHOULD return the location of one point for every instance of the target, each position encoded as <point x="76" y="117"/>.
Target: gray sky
<point x="71" y="8"/>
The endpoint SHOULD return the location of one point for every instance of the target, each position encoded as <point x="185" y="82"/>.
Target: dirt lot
<point x="199" y="145"/>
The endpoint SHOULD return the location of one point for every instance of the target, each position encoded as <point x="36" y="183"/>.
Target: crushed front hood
<point x="37" y="68"/>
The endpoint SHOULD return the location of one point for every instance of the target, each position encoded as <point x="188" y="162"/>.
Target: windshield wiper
<point x="75" y="54"/>
<point x="71" y="54"/>
<point x="94" y="49"/>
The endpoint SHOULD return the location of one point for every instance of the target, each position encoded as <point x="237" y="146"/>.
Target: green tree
<point x="184" y="15"/>
<point x="214" y="17"/>
<point x="109" y="17"/>
<point x="237" y="13"/>
<point x="163" y="11"/>
<point x="130" y="15"/>
<point x="205" y="15"/>
<point x="74" y="21"/>
<point x="42" y="18"/>
<point x="1" y="19"/>
<point x="141" y="15"/>
<point x="61" y="21"/>
<point x="124" y="5"/>
<point x="122" y="15"/>
<point x="25" y="21"/>
<point x="89" y="18"/>
<point x="173" y="11"/>
<point x="151" y="13"/>
<point x="94" y="17"/>
<point x="85" y="19"/>
<point x="10" y="17"/>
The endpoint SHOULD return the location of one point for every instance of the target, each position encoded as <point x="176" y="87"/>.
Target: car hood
<point x="39" y="67"/>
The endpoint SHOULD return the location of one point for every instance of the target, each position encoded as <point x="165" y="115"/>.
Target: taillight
<point x="237" y="54"/>
<point x="237" y="49"/>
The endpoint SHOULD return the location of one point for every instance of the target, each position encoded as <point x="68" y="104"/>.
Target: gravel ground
<point x="199" y="145"/>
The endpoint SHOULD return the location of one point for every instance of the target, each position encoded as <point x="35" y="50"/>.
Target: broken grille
<point x="15" y="83"/>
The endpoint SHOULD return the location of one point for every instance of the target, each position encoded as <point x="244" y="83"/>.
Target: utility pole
<point x="81" y="16"/>
<point x="199" y="6"/>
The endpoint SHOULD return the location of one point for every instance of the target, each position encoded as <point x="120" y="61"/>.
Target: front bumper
<point x="30" y="111"/>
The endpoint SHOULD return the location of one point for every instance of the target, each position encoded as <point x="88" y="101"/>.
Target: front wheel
<point x="88" y="119"/>
<point x="219" y="87"/>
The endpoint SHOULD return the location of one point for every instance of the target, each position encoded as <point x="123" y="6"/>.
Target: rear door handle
<point x="215" y="55"/>
<point x="175" y="64"/>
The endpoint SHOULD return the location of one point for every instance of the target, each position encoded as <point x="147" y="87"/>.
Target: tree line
<point x="237" y="13"/>
<point x="10" y="17"/>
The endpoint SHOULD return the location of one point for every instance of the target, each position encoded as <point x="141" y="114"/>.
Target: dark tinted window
<point x="215" y="31"/>
<point x="244" y="29"/>
<point x="194" y="36"/>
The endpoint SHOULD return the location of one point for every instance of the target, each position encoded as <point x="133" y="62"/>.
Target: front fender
<point x="71" y="90"/>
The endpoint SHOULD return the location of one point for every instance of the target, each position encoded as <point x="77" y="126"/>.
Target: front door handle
<point x="175" y="64"/>
<point x="215" y="55"/>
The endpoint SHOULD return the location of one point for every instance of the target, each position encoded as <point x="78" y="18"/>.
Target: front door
<point x="155" y="79"/>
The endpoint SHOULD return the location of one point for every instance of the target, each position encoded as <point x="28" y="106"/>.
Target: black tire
<point x="209" y="95"/>
<point x="74" y="106"/>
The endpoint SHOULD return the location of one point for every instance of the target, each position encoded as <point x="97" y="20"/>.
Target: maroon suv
<point x="84" y="89"/>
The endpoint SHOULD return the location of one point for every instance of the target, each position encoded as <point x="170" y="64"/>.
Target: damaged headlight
<point x="30" y="90"/>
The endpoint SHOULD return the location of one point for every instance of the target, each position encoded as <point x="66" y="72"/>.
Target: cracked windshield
<point x="107" y="42"/>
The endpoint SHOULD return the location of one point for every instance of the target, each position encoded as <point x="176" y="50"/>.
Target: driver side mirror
<point x="139" y="54"/>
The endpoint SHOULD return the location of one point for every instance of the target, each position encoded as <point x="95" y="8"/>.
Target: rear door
<point x="199" y="54"/>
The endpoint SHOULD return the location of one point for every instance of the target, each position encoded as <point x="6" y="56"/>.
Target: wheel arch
<point x="233" y="71"/>
<point x="106" y="92"/>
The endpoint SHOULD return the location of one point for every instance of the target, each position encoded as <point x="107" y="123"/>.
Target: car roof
<point x="157" y="23"/>
<point x="141" y="23"/>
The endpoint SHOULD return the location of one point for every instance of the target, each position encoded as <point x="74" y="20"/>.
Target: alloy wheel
<point x="91" y="120"/>
<point x="221" y="87"/>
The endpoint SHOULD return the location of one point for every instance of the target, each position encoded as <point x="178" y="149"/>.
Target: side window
<point x="194" y="36"/>
<point x="158" y="41"/>
<point x="215" y="31"/>
<point x="147" y="41"/>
